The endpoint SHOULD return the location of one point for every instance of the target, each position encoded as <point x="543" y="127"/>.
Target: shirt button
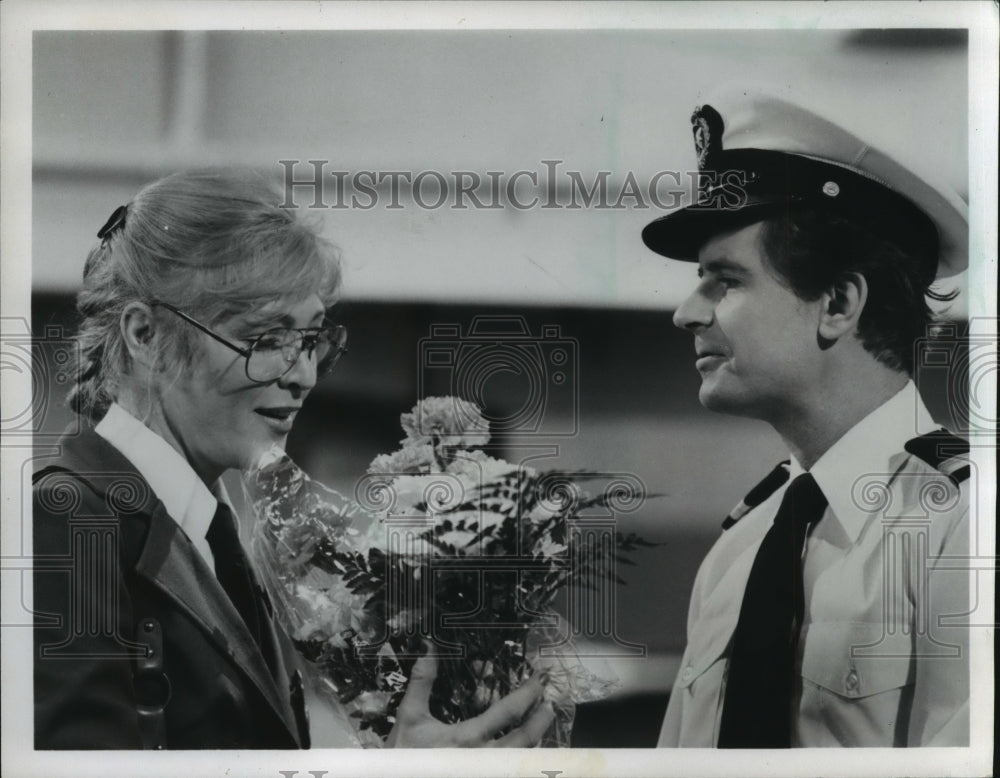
<point x="687" y="673"/>
<point x="852" y="682"/>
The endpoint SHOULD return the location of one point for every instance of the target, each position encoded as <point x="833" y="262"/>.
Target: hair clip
<point x="113" y="224"/>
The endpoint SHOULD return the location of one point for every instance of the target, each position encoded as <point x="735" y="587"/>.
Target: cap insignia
<point x="707" y="126"/>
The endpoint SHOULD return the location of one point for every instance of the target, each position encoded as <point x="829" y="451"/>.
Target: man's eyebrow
<point x="721" y="265"/>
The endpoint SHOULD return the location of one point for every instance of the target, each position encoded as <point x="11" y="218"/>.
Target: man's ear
<point x="841" y="307"/>
<point x="139" y="331"/>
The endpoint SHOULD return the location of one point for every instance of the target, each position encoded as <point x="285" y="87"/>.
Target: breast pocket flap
<point x="857" y="659"/>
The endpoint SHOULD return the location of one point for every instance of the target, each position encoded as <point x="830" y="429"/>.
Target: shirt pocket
<point x="856" y="659"/>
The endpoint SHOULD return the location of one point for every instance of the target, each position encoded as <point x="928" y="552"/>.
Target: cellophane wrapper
<point x="422" y="557"/>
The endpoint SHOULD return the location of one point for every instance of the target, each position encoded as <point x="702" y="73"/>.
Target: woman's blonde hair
<point x="214" y="243"/>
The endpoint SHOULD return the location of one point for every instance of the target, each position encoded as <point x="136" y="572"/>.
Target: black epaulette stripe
<point x="771" y="483"/>
<point x="937" y="449"/>
<point x="962" y="474"/>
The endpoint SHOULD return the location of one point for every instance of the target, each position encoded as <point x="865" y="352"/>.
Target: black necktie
<point x="760" y="682"/>
<point x="231" y="567"/>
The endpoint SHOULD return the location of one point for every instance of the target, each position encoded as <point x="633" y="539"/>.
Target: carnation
<point x="416" y="458"/>
<point x="448" y="421"/>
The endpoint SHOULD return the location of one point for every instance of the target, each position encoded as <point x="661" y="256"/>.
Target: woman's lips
<point x="278" y="417"/>
<point x="278" y="412"/>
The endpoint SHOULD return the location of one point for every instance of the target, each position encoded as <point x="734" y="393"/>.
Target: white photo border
<point x="20" y="18"/>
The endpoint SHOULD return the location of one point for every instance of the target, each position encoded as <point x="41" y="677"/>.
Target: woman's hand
<point x="417" y="728"/>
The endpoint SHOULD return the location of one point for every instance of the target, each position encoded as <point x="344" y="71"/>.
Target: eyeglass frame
<point x="246" y="353"/>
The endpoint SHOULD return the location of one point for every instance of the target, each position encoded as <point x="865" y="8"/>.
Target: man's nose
<point x="695" y="312"/>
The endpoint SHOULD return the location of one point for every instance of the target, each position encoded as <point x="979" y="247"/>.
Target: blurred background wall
<point x="114" y="110"/>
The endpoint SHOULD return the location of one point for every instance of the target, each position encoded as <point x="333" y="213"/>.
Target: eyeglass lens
<point x="275" y="353"/>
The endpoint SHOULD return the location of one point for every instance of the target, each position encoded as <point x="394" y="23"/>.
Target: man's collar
<point x="868" y="449"/>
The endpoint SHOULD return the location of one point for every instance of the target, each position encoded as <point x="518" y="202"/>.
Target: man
<point x="829" y="611"/>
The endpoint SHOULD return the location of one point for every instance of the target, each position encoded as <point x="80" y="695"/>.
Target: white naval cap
<point x="759" y="152"/>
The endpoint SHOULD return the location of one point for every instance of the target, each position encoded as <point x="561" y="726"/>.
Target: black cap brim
<point x="748" y="185"/>
<point x="681" y="234"/>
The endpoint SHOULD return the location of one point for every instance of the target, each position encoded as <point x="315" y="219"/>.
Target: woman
<point x="203" y="331"/>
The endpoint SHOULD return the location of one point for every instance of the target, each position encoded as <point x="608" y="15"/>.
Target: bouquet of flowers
<point x="442" y="547"/>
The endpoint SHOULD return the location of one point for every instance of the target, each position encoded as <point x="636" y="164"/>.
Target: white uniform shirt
<point x="882" y="653"/>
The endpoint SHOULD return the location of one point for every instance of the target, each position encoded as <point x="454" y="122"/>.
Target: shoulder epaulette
<point x="771" y="483"/>
<point x="944" y="452"/>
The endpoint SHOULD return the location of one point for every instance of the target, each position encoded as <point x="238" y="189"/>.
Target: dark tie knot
<point x="803" y="503"/>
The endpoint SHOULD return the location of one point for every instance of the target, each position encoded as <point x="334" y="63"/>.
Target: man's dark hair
<point x="811" y="248"/>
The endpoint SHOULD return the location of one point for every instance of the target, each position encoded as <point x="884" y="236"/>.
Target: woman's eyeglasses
<point x="274" y="353"/>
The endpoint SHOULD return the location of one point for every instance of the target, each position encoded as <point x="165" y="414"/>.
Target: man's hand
<point x="417" y="728"/>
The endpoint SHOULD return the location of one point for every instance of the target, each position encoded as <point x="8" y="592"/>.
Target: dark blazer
<point x="136" y="643"/>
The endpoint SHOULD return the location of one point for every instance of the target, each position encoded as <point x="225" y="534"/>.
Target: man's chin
<point x="712" y="402"/>
<point x="749" y="405"/>
<point x="717" y="400"/>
